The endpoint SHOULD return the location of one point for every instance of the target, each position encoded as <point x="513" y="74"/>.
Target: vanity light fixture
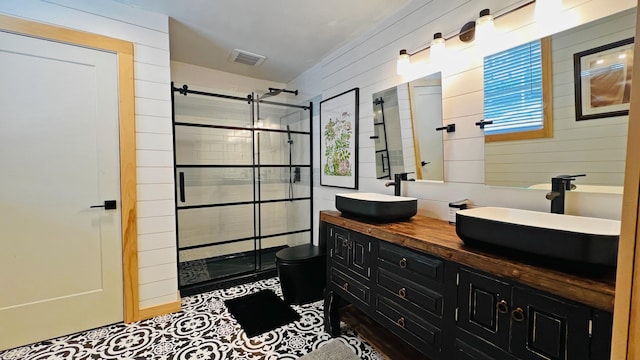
<point x="402" y="67"/>
<point x="438" y="47"/>
<point x="483" y="27"/>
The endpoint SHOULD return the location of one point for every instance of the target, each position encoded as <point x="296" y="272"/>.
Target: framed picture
<point x="602" y="78"/>
<point x="339" y="140"/>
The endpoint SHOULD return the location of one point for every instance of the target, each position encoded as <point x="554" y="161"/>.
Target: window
<point x="517" y="92"/>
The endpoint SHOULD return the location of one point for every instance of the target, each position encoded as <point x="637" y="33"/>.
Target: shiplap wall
<point x="596" y="147"/>
<point x="149" y="34"/>
<point x="369" y="62"/>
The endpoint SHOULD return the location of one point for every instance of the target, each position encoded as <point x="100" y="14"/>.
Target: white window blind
<point x="513" y="90"/>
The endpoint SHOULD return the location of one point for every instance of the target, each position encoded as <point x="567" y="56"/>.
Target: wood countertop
<point x="438" y="237"/>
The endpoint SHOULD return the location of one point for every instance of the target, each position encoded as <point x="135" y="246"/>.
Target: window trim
<point x="547" y="103"/>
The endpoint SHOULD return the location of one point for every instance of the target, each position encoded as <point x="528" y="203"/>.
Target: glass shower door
<point x="243" y="186"/>
<point x="283" y="154"/>
<point x="214" y="188"/>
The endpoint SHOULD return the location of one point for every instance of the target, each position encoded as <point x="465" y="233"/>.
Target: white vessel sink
<point x="379" y="207"/>
<point x="567" y="237"/>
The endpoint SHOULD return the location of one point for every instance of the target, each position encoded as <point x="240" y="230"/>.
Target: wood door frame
<point x="626" y="315"/>
<point x="124" y="52"/>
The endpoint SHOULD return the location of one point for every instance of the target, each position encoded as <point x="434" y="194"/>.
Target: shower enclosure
<point x="243" y="185"/>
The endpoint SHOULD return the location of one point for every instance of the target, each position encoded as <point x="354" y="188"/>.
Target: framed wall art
<point x="339" y="140"/>
<point x="602" y="79"/>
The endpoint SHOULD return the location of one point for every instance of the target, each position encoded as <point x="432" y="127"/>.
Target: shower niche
<point x="243" y="185"/>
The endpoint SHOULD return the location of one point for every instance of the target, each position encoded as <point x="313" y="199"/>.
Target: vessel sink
<point x="378" y="207"/>
<point x="566" y="237"/>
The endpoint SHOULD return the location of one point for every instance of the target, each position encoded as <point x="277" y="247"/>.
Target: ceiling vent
<point x="245" y="57"/>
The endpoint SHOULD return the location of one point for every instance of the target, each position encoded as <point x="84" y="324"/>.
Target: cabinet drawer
<point x="416" y="331"/>
<point x="410" y="293"/>
<point x="408" y="264"/>
<point x="476" y="349"/>
<point x="348" y="287"/>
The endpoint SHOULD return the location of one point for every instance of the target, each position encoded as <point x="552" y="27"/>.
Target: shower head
<point x="274" y="92"/>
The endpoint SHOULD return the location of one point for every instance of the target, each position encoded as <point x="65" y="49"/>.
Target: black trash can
<point x="302" y="273"/>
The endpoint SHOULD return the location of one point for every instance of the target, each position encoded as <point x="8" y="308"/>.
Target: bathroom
<point x="368" y="62"/>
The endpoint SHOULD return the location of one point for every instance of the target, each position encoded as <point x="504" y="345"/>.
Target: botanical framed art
<point x="339" y="140"/>
<point x="602" y="79"/>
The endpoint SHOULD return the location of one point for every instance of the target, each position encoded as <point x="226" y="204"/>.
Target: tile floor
<point x="202" y="330"/>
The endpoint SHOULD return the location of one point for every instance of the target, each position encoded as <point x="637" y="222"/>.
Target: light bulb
<point x="404" y="62"/>
<point x="484" y="30"/>
<point x="438" y="49"/>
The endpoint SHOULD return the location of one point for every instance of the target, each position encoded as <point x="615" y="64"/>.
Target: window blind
<point x="513" y="90"/>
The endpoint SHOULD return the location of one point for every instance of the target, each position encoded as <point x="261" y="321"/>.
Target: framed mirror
<point x="404" y="119"/>
<point x="596" y="147"/>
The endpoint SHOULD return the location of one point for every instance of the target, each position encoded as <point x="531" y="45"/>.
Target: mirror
<point x="595" y="147"/>
<point x="404" y="120"/>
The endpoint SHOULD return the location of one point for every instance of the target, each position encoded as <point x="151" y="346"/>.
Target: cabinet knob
<point x="403" y="263"/>
<point x="402" y="293"/>
<point x="344" y="243"/>
<point x="517" y="314"/>
<point x="350" y="245"/>
<point x="400" y="322"/>
<point x="502" y="306"/>
<point x="345" y="287"/>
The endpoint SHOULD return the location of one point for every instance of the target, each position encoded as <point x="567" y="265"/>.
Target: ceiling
<point x="293" y="35"/>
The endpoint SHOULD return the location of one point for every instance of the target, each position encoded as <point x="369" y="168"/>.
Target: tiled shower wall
<point x="149" y="34"/>
<point x="369" y="62"/>
<point x="204" y="146"/>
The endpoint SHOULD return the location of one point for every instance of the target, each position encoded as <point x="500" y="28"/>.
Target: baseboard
<point x="168" y="308"/>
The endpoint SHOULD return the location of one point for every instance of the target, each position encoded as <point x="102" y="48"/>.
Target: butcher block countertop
<point x="438" y="237"/>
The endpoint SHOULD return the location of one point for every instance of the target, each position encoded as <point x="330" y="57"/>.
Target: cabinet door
<point x="483" y="307"/>
<point x="338" y="240"/>
<point x="547" y="328"/>
<point x="359" y="250"/>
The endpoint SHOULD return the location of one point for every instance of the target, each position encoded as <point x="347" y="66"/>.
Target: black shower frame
<point x="254" y="274"/>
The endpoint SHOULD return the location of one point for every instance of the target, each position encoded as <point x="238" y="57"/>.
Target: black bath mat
<point x="260" y="312"/>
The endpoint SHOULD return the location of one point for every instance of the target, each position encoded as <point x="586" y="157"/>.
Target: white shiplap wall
<point x="369" y="63"/>
<point x="149" y="34"/>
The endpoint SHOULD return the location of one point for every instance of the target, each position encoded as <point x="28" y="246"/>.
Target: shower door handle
<point x="108" y="205"/>
<point x="384" y="170"/>
<point x="181" y="185"/>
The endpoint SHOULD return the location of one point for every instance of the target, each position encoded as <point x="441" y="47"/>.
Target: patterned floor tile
<point x="204" y="329"/>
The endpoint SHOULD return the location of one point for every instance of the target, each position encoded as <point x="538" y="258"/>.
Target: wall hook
<point x="449" y="128"/>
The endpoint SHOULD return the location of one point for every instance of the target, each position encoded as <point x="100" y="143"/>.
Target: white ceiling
<point x="294" y="35"/>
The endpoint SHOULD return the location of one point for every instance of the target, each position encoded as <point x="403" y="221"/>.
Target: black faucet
<point x="398" y="178"/>
<point x="559" y="185"/>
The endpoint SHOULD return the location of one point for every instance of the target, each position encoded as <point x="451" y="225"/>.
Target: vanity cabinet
<point x="446" y="308"/>
<point x="348" y="273"/>
<point x="409" y="296"/>
<point x="525" y="322"/>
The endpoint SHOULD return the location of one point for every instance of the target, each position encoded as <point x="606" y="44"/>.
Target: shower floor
<point x="221" y="267"/>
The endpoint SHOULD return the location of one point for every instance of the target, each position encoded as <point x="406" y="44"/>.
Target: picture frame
<point x="339" y="140"/>
<point x="602" y="80"/>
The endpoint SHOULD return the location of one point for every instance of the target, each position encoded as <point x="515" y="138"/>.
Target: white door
<point x="427" y="107"/>
<point x="60" y="260"/>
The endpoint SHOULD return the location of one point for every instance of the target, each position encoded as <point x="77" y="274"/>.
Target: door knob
<point x="108" y="205"/>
